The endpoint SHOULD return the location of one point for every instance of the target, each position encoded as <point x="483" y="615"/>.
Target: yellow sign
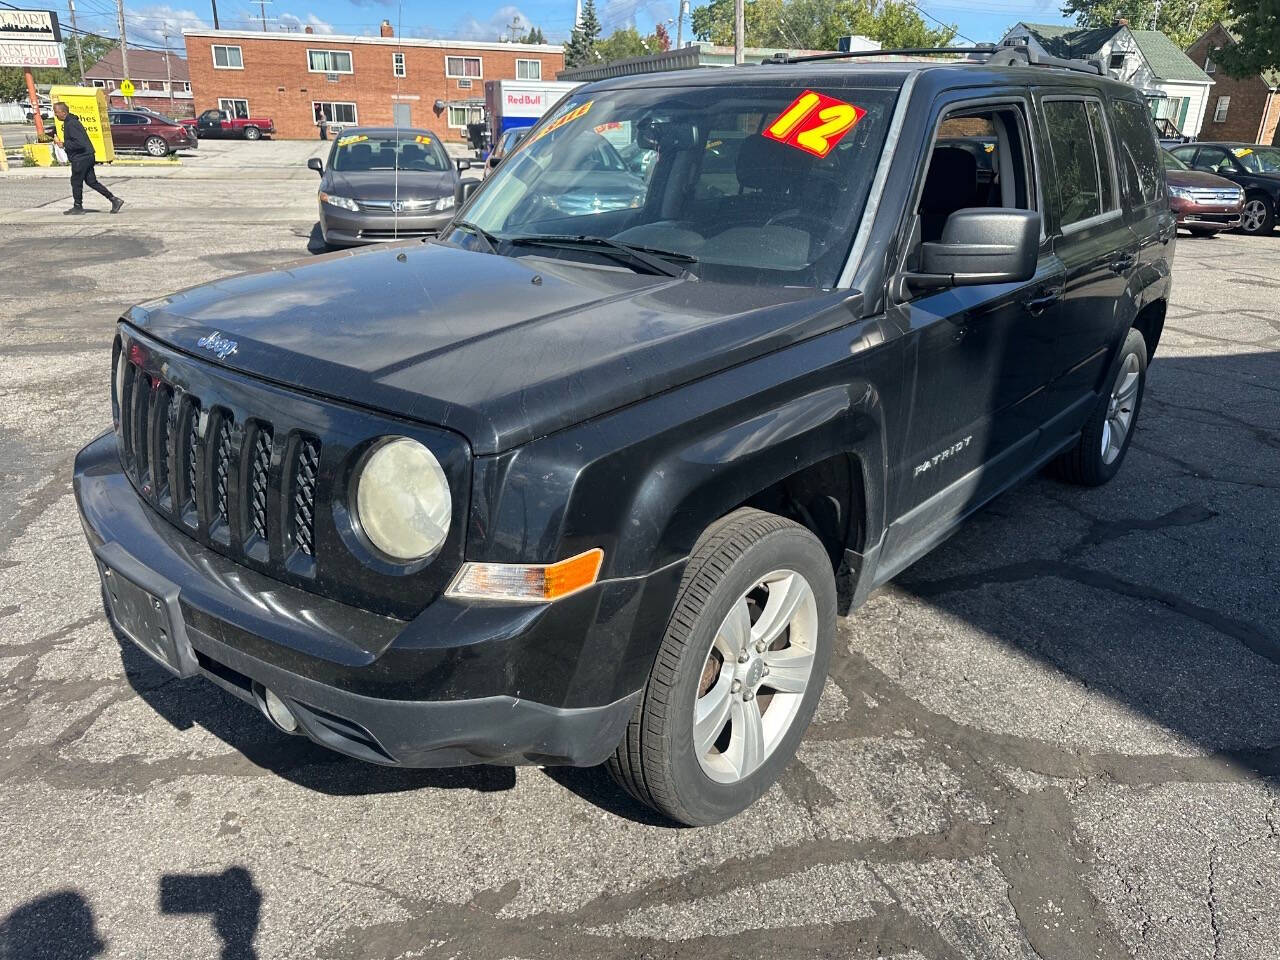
<point x="126" y="87"/>
<point x="559" y="122"/>
<point x="355" y="138"/>
<point x="90" y="105"/>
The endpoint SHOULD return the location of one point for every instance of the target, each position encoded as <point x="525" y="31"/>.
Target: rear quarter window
<point x="1079" y="191"/>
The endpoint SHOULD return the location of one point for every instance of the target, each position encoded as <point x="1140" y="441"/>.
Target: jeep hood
<point x="502" y="350"/>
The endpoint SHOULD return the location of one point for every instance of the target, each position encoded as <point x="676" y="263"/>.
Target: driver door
<point x="984" y="353"/>
<point x="210" y="123"/>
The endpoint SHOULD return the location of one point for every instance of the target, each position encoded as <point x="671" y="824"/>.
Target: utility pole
<point x="262" y="8"/>
<point x="124" y="46"/>
<point x="168" y="73"/>
<point x="215" y="14"/>
<point x="71" y="5"/>
<point x="684" y="11"/>
<point x="514" y="36"/>
<point x="739" y="29"/>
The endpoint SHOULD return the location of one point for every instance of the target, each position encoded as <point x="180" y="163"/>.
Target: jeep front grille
<point x="260" y="474"/>
<point x="304" y="497"/>
<point x="171" y="442"/>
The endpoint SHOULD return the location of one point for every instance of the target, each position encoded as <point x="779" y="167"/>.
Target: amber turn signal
<point x="527" y="583"/>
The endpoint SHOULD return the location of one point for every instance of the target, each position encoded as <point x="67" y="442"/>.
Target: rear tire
<point x="156" y="147"/>
<point x="761" y="585"/>
<point x="252" y="133"/>
<point x="1097" y="455"/>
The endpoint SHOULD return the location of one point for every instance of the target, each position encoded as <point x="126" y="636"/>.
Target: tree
<point x="13" y="85"/>
<point x="659" y="41"/>
<point x="622" y="44"/>
<point x="581" y="48"/>
<point x="1257" y="25"/>
<point x="534" y="36"/>
<point x="819" y="24"/>
<point x="1181" y="20"/>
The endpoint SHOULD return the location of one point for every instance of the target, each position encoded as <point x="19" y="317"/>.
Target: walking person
<point x="75" y="141"/>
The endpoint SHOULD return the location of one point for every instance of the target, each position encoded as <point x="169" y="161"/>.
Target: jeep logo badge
<point x="220" y="346"/>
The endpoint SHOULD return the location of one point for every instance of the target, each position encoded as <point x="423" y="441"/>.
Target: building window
<point x="334" y="112"/>
<point x="329" y="61"/>
<point x="1220" y="111"/>
<point x="153" y="85"/>
<point x="1018" y="42"/>
<point x="227" y="58"/>
<point x="234" y="107"/>
<point x="462" y="67"/>
<point x="458" y="118"/>
<point x="186" y="87"/>
<point x="397" y="64"/>
<point x="528" y="69"/>
<point x="1117" y="61"/>
<point x="100" y="83"/>
<point x="1209" y="66"/>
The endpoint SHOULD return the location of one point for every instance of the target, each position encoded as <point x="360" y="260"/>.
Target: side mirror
<point x="316" y="164"/>
<point x="979" y="245"/>
<point x="462" y="165"/>
<point x="463" y="191"/>
<point x="494" y="161"/>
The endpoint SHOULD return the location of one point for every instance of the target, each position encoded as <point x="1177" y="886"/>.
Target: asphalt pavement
<point x="1054" y="737"/>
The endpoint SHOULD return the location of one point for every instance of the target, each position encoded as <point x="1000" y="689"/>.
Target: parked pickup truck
<point x="218" y="123"/>
<point x="579" y="484"/>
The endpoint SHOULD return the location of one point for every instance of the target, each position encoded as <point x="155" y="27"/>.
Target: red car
<point x="1203" y="203"/>
<point x="141" y="130"/>
<point x="218" y="123"/>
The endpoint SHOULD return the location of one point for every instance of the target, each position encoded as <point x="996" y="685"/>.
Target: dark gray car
<point x="384" y="183"/>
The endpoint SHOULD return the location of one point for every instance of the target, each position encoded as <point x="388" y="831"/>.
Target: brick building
<point x="1247" y="108"/>
<point x="160" y="80"/>
<point x="365" y="80"/>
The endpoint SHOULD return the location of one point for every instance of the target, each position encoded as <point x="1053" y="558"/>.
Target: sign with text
<point x="31" y="54"/>
<point x="30" y="26"/>
<point x="30" y="38"/>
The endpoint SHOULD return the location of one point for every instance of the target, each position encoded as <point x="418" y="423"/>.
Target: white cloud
<point x="296" y="24"/>
<point x="498" y="25"/>
<point x="148" y="24"/>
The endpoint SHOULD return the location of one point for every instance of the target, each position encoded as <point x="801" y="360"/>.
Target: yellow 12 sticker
<point x="814" y="123"/>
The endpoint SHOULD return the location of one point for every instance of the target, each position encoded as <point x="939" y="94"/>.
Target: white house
<point x="1177" y="89"/>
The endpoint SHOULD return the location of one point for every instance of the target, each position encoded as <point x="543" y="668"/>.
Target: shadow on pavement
<point x="55" y="925"/>
<point x="231" y="898"/>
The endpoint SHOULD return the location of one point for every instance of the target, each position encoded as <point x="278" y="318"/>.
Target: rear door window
<point x="1080" y="188"/>
<point x="1140" y="162"/>
<point x="1102" y="149"/>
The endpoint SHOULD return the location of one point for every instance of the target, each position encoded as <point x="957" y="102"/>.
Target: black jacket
<point x="75" y="140"/>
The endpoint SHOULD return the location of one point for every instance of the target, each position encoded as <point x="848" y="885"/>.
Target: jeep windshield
<point x="750" y="184"/>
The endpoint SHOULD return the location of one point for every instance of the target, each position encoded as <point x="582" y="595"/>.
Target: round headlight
<point x="402" y="499"/>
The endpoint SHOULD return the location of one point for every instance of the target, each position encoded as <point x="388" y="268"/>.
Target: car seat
<point x="950" y="185"/>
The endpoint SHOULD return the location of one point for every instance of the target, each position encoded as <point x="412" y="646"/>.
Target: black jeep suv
<point x="586" y="482"/>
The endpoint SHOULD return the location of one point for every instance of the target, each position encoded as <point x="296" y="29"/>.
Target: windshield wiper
<point x="490" y="241"/>
<point x="646" y="258"/>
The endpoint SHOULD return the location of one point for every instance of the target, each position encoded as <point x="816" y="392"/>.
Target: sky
<point x="147" y="23"/>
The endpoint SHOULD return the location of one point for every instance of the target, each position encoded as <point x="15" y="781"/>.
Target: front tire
<point x="156" y="147"/>
<point x="739" y="672"/>
<point x="252" y="133"/>
<point x="1258" y="217"/>
<point x="1097" y="455"/>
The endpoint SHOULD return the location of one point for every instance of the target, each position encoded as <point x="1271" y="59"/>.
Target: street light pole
<point x="739" y="28"/>
<point x="71" y="5"/>
<point x="124" y="45"/>
<point x="168" y="72"/>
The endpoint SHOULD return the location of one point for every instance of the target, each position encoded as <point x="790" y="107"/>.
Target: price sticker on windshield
<point x="814" y="123"/>
<point x="572" y="115"/>
<point x="356" y="138"/>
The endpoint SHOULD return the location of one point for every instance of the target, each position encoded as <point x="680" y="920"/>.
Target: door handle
<point x="1043" y="300"/>
<point x="1122" y="264"/>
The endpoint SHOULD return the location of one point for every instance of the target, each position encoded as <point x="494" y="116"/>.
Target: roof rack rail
<point x="851" y="54"/>
<point x="1019" y="56"/>
<point x="1024" y="56"/>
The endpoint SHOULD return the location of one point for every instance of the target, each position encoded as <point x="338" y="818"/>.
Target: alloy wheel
<point x="157" y="147"/>
<point x="1253" y="216"/>
<point x="1120" y="408"/>
<point x="755" y="676"/>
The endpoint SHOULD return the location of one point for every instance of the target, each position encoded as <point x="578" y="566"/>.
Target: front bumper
<point x="1216" y="216"/>
<point x="347" y="228"/>
<point x="341" y="670"/>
